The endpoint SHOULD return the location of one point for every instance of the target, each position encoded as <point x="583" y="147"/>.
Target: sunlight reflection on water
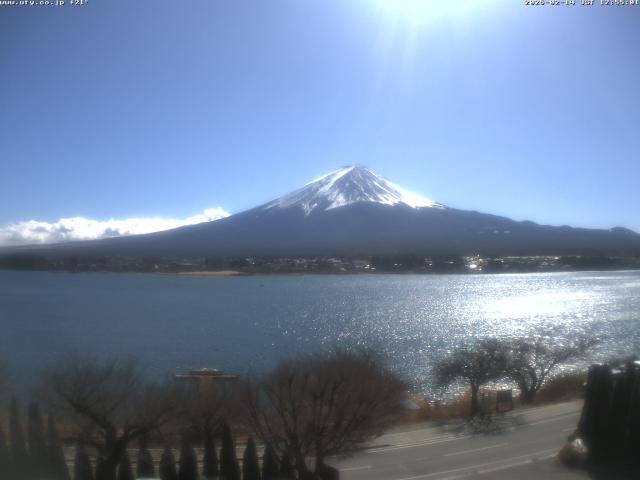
<point x="246" y="324"/>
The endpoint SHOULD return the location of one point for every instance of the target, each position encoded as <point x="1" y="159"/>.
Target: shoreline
<point x="397" y="273"/>
<point x="239" y="273"/>
<point x="207" y="273"/>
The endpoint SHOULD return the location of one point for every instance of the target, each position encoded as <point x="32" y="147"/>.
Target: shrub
<point x="168" y="465"/>
<point x="250" y="465"/>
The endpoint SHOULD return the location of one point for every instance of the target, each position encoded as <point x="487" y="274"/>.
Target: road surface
<point x="518" y="445"/>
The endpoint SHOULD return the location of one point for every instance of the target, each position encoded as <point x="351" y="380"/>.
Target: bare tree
<point x="205" y="409"/>
<point x="477" y="364"/>
<point x="110" y="405"/>
<point x="533" y="360"/>
<point x="324" y="404"/>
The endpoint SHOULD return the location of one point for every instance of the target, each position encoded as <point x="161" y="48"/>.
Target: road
<point x="521" y="444"/>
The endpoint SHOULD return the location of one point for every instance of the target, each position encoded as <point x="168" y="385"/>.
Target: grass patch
<point x="563" y="387"/>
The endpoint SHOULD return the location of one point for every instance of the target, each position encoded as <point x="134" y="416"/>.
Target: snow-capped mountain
<point x="346" y="186"/>
<point x="353" y="211"/>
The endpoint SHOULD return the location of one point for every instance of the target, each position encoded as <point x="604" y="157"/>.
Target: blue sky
<point x="161" y="109"/>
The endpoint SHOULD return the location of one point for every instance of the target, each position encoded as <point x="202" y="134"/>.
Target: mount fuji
<point x="347" y="186"/>
<point x="354" y="211"/>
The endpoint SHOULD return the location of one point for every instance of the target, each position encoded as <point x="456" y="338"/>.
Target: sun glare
<point x="422" y="11"/>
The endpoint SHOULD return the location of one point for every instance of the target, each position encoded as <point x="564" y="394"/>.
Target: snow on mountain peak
<point x="350" y="185"/>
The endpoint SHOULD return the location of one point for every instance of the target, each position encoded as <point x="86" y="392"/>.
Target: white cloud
<point x="80" y="228"/>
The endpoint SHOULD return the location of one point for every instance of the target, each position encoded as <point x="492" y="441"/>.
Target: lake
<point x="245" y="324"/>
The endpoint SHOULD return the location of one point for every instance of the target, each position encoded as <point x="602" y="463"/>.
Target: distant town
<point x="474" y="264"/>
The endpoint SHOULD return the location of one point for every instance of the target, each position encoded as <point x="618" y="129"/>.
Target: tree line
<point x="40" y="455"/>
<point x="527" y="362"/>
<point x="304" y="411"/>
<point x="299" y="414"/>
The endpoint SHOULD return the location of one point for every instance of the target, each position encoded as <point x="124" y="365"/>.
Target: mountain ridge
<point x="354" y="211"/>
